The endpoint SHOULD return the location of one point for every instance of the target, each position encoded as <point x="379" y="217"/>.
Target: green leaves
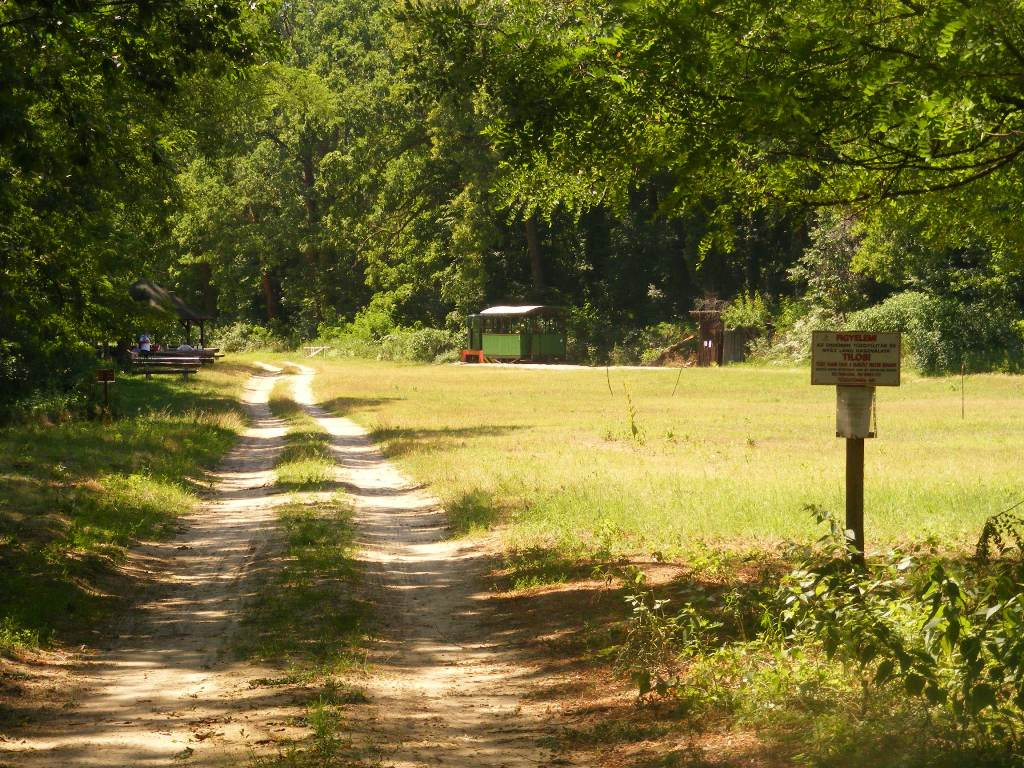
<point x="90" y="139"/>
<point x="808" y="100"/>
<point x="944" y="44"/>
<point x="947" y="634"/>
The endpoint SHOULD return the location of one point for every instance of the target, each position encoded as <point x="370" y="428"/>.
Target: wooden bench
<point x="162" y="363"/>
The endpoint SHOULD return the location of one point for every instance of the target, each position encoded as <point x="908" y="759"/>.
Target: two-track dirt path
<point x="442" y="692"/>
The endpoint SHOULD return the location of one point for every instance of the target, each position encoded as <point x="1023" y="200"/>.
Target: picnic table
<point x="164" y="363"/>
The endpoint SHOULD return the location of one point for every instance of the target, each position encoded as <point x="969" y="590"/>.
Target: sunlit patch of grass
<point x="525" y="569"/>
<point x="14" y="637"/>
<point x="474" y="512"/>
<point x="750" y="448"/>
<point x="307" y="462"/>
<point x="326" y="747"/>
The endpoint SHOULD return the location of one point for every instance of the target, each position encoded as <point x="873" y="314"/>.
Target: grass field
<point x="590" y="460"/>
<point x="75" y="495"/>
<point x="580" y="467"/>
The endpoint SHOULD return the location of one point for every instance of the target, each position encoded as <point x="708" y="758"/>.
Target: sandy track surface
<point x="164" y="691"/>
<point x="443" y="691"/>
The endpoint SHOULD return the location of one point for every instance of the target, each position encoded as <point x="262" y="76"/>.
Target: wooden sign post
<point x="855" y="362"/>
<point x="106" y="377"/>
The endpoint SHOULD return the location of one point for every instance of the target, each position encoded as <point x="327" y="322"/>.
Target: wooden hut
<point x="710" y="330"/>
<point x="717" y="344"/>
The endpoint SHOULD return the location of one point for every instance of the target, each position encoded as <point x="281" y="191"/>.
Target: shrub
<point x="424" y="345"/>
<point x="376" y="320"/>
<point x="343" y="342"/>
<point x="940" y="333"/>
<point x="417" y="345"/>
<point x="791" y="341"/>
<point x="947" y="633"/>
<point x="588" y="339"/>
<point x="644" y="345"/>
<point x="248" y="337"/>
<point x="748" y="310"/>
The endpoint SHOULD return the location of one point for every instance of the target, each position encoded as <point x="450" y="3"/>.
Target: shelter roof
<point x="160" y="298"/>
<point x="531" y="309"/>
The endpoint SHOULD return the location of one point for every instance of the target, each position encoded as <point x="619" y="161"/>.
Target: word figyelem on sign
<point x="855" y="358"/>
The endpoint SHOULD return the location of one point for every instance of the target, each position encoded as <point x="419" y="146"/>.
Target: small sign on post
<point x="855" y="362"/>
<point x="855" y="358"/>
<point x="105" y="376"/>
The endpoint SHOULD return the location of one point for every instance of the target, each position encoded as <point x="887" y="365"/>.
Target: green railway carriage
<point x="534" y="333"/>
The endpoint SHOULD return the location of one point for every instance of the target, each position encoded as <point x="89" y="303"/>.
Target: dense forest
<point x="346" y="169"/>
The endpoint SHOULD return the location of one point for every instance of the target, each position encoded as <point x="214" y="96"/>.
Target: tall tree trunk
<point x="268" y="297"/>
<point x="533" y="245"/>
<point x="207" y="291"/>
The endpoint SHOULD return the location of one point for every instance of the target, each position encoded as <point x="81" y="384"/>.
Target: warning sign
<point x="855" y="358"/>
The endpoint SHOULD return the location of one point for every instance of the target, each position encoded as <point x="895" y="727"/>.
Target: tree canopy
<point x="315" y="163"/>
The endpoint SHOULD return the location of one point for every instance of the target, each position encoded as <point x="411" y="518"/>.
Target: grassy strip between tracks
<point x="306" y="463"/>
<point x="305" y="619"/>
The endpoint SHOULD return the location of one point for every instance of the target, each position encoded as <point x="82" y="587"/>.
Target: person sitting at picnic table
<point x="145" y="345"/>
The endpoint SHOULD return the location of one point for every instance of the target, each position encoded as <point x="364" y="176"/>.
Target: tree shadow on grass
<point x="287" y="619"/>
<point x="400" y="441"/>
<point x="134" y="396"/>
<point x="474" y="512"/>
<point x="73" y="496"/>
<point x="343" y="406"/>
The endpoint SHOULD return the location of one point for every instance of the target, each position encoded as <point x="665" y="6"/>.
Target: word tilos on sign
<point x="855" y="358"/>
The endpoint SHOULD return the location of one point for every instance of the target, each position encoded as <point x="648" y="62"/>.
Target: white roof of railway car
<point x="524" y="310"/>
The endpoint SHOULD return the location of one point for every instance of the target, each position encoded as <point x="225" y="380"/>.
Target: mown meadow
<point x="671" y="531"/>
<point x="655" y="461"/>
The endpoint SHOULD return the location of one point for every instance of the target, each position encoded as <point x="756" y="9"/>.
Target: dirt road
<point x="441" y="691"/>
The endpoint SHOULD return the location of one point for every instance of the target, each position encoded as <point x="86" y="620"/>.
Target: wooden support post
<point x="855" y="495"/>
